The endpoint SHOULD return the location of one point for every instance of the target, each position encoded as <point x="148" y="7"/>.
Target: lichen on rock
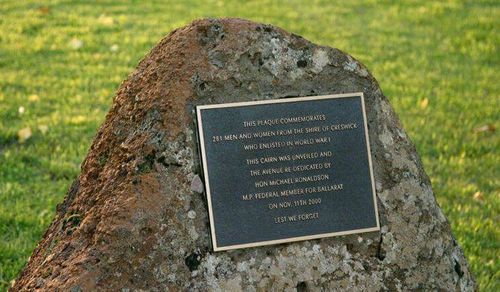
<point x="142" y="219"/>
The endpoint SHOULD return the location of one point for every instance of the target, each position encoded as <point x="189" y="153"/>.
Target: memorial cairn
<point x="238" y="156"/>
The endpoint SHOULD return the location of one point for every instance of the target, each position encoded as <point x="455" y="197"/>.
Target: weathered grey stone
<point x="197" y="185"/>
<point x="136" y="219"/>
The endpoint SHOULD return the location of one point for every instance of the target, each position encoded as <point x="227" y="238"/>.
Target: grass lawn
<point x="60" y="64"/>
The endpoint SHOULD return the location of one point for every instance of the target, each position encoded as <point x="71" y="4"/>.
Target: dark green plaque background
<point x="237" y="223"/>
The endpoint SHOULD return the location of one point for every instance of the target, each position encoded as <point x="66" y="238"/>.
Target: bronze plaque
<point x="286" y="170"/>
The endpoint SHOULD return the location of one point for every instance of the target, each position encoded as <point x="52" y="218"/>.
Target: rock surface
<point x="136" y="218"/>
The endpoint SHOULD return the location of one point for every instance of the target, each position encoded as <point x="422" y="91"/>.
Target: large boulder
<point x="136" y="217"/>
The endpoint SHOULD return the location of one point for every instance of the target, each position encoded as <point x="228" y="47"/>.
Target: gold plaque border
<point x="272" y="101"/>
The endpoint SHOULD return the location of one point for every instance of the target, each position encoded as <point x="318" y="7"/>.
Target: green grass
<point x="445" y="53"/>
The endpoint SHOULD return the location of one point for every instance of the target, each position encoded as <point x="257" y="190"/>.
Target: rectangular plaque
<point x="286" y="170"/>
